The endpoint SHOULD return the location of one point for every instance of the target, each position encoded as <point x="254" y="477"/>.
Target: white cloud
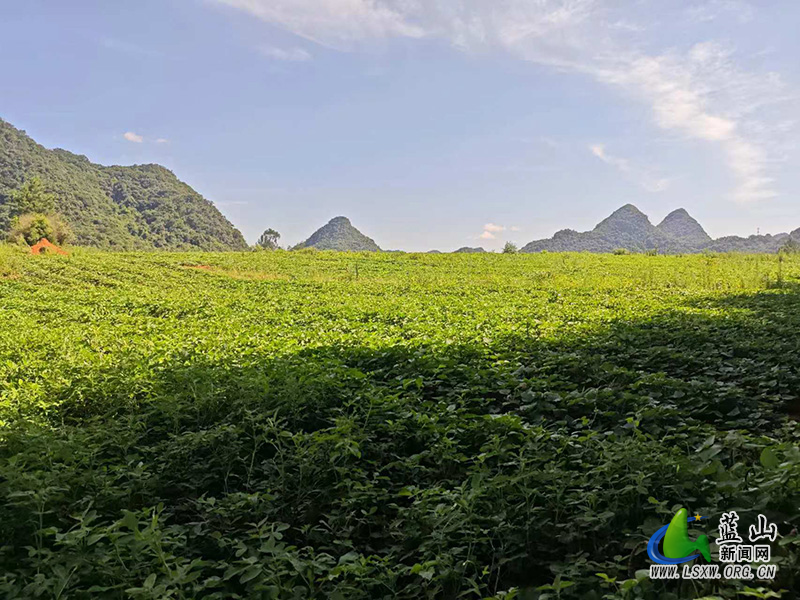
<point x="681" y="91"/>
<point x="700" y="94"/>
<point x="714" y="9"/>
<point x="599" y="150"/>
<point x="676" y="103"/>
<point x="334" y="23"/>
<point x="289" y="55"/>
<point x="140" y="139"/>
<point x="490" y="229"/>
<point x="129" y="48"/>
<point x="133" y="137"/>
<point x="623" y="25"/>
<point x="641" y="176"/>
<point x="748" y="162"/>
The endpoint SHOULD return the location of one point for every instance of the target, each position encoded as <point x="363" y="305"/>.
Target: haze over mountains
<point x="630" y="229"/>
<point x="627" y="228"/>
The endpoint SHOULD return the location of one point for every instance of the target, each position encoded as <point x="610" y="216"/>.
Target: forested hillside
<point x="339" y="234"/>
<point x="630" y="229"/>
<point x="122" y="208"/>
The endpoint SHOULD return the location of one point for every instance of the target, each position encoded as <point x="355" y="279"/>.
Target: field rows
<point x="323" y="425"/>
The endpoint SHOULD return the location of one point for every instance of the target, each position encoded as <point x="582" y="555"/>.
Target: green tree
<point x="791" y="246"/>
<point x="32" y="227"/>
<point x="31" y="197"/>
<point x="269" y="239"/>
<point x="510" y="248"/>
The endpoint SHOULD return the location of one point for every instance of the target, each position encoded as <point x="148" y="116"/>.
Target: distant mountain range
<point x="142" y="207"/>
<point x="145" y="207"/>
<point x="339" y="234"/>
<point x="630" y="229"/>
<point x="627" y="228"/>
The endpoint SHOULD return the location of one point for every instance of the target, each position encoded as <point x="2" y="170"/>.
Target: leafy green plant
<point x="32" y="227"/>
<point x="265" y="424"/>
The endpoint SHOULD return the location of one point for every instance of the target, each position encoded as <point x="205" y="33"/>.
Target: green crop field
<point x="325" y="425"/>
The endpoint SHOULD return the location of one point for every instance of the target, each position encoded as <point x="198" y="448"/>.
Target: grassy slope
<point x="384" y="425"/>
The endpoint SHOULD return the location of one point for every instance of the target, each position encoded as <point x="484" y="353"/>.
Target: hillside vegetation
<point x="122" y="208"/>
<point x="373" y="425"/>
<point x="339" y="234"/>
<point x="630" y="229"/>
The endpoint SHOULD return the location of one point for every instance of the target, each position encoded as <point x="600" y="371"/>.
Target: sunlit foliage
<point x="375" y="425"/>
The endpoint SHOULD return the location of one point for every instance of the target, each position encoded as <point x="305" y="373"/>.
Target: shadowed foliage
<point x="462" y="426"/>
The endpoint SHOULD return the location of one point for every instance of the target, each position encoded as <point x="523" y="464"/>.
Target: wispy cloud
<point x="285" y="54"/>
<point x="641" y="176"/>
<point x="627" y="26"/>
<point x="711" y="10"/>
<point x="334" y="23"/>
<point x="749" y="162"/>
<point x="491" y="229"/>
<point x="701" y="93"/>
<point x="682" y="91"/>
<point x="133" y="137"/>
<point x="129" y="48"/>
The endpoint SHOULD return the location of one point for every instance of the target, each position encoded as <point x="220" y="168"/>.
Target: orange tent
<point x="44" y="245"/>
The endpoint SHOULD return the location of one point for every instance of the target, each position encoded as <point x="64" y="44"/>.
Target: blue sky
<point x="430" y="123"/>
